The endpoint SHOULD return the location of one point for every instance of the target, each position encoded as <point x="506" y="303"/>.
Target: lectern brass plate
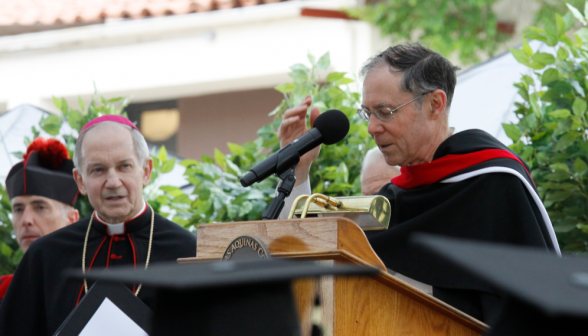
<point x="369" y="212"/>
<point x="246" y="247"/>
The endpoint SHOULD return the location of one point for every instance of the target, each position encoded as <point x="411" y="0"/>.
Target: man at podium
<point x="466" y="185"/>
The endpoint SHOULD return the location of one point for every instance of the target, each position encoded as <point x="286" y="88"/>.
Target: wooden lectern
<point x="382" y="305"/>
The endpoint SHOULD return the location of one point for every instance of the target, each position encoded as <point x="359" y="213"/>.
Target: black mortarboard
<point x="544" y="294"/>
<point x="46" y="171"/>
<point x="225" y="298"/>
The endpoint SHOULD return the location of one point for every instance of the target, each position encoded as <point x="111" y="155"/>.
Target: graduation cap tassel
<point x="317" y="312"/>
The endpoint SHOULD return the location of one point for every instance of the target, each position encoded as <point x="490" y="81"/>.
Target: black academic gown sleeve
<point x="493" y="207"/>
<point x="40" y="298"/>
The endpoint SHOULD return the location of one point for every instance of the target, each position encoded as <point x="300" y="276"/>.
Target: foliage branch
<point x="552" y="132"/>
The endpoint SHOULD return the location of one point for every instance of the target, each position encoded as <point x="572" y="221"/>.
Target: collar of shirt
<point x="119" y="228"/>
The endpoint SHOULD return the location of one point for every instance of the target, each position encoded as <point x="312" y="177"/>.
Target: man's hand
<point x="293" y="126"/>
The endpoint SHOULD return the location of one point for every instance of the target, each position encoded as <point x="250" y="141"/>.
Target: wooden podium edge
<point x="382" y="277"/>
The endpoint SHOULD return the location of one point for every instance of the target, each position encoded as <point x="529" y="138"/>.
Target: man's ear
<point x="73" y="216"/>
<point x="80" y="182"/>
<point x="437" y="103"/>
<point x="147" y="170"/>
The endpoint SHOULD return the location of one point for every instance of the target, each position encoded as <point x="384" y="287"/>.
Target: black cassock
<point x="488" y="201"/>
<point x="39" y="299"/>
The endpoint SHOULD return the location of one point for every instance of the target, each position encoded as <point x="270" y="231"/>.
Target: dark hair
<point x="423" y="69"/>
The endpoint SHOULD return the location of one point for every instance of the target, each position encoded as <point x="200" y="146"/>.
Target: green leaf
<point x="6" y="250"/>
<point x="344" y="81"/>
<point x="562" y="53"/>
<point x="168" y="165"/>
<point x="559" y="167"/>
<point x="566" y="141"/>
<point x="569" y="20"/>
<point x="285" y="88"/>
<point x="549" y="76"/>
<point x="246" y="207"/>
<point x="162" y="154"/>
<point x="512" y="131"/>
<point x="579" y="166"/>
<point x="324" y="62"/>
<point x="560" y="24"/>
<point x="57" y="102"/>
<point x="335" y="76"/>
<point x="526" y="48"/>
<point x="298" y="76"/>
<point x="237" y="149"/>
<point x="311" y="58"/>
<point x="300" y="66"/>
<point x="561" y="113"/>
<point x="577" y="14"/>
<point x="51" y="124"/>
<point x="521" y="56"/>
<point x="579" y="106"/>
<point x="534" y="101"/>
<point x="543" y="58"/>
<point x="220" y="159"/>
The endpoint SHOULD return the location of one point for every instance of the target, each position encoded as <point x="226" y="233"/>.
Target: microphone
<point x="330" y="127"/>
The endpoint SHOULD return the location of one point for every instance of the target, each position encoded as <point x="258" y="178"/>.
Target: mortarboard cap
<point x="46" y="171"/>
<point x="225" y="298"/>
<point x="544" y="294"/>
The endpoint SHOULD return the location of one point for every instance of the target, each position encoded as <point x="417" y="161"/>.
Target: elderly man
<point x="42" y="191"/>
<point x="375" y="172"/>
<point x="465" y="185"/>
<point x="112" y="167"/>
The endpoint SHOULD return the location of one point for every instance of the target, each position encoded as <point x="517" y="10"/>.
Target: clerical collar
<point x="119" y="228"/>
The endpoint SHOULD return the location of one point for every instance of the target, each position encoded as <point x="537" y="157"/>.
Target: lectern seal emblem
<point x="246" y="247"/>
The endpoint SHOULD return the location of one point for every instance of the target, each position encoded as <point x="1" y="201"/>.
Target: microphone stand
<point x="284" y="189"/>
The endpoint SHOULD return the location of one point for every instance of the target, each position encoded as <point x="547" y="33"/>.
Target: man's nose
<point x="27" y="216"/>
<point x="375" y="125"/>
<point x="112" y="179"/>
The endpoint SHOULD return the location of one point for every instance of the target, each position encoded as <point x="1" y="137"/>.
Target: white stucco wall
<point x="176" y="56"/>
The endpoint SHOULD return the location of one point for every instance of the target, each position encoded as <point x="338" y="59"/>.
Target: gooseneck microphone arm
<point x="284" y="189"/>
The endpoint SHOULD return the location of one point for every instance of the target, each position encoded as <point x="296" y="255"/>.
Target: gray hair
<point x="139" y="144"/>
<point x="423" y="70"/>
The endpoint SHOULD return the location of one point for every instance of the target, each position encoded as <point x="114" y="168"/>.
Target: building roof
<point x="60" y="12"/>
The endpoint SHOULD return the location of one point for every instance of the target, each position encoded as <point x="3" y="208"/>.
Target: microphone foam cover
<point x="333" y="125"/>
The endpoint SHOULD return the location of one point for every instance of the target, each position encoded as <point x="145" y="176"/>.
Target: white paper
<point x="110" y="320"/>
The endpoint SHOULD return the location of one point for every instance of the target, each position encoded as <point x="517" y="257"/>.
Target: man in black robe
<point x="42" y="192"/>
<point x="112" y="167"/>
<point x="466" y="185"/>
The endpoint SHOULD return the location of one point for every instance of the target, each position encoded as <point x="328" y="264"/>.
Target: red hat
<point x="45" y="171"/>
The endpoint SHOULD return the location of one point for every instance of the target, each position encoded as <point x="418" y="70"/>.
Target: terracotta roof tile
<point x="49" y="12"/>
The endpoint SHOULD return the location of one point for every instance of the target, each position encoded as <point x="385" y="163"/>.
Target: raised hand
<point x="293" y="126"/>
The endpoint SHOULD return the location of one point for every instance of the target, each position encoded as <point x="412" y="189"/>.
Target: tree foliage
<point x="465" y="27"/>
<point x="552" y="132"/>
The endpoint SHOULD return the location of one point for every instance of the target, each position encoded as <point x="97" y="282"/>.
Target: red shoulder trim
<point x="4" y="283"/>
<point x="434" y="171"/>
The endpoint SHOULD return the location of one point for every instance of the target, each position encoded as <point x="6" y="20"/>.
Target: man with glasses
<point x="467" y="185"/>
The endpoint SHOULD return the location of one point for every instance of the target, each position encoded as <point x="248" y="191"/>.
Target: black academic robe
<point x="40" y="298"/>
<point x="494" y="205"/>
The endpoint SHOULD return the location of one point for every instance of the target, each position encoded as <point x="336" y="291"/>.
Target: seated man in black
<point x="112" y="167"/>
<point x="466" y="185"/>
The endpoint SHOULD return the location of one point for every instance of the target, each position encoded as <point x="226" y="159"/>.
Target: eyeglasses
<point x="384" y="113"/>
